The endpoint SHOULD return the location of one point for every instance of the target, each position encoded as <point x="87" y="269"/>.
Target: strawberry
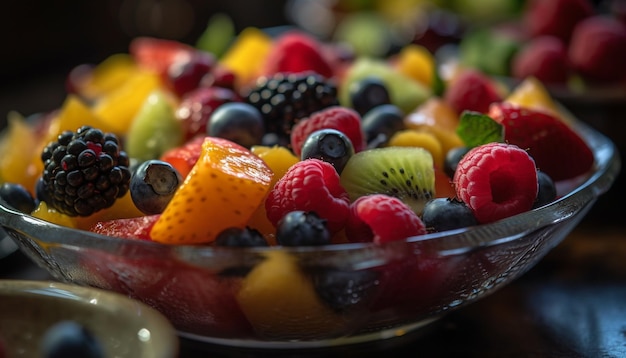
<point x="471" y="90"/>
<point x="295" y="52"/>
<point x="196" y="107"/>
<point x="158" y="54"/>
<point x="544" y="58"/>
<point x="382" y="218"/>
<point x="496" y="180"/>
<point x="310" y="185"/>
<point x="126" y="228"/>
<point x="415" y="280"/>
<point x="597" y="49"/>
<point x="194" y="299"/>
<point x="555" y="17"/>
<point x="343" y="119"/>
<point x="556" y="148"/>
<point x="183" y="158"/>
<point x="224" y="188"/>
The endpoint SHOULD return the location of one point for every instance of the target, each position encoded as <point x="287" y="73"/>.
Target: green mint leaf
<point x="477" y="129"/>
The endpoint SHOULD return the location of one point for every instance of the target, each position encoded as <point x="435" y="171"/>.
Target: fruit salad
<point x="283" y="141"/>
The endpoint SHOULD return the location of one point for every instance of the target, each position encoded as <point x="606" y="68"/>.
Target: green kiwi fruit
<point x="406" y="173"/>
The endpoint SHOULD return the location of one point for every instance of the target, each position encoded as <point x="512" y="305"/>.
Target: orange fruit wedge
<point x="224" y="188"/>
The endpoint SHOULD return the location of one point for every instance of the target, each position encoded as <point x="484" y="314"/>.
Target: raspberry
<point x="382" y="218"/>
<point x="343" y="119"/>
<point x="310" y="185"/>
<point x="496" y="180"/>
<point x="473" y="91"/>
<point x="544" y="58"/>
<point x="295" y="52"/>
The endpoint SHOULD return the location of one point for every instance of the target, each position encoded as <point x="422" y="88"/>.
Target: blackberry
<point x="84" y="172"/>
<point x="284" y="99"/>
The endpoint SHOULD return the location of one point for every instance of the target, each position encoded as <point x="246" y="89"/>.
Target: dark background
<point x="42" y="41"/>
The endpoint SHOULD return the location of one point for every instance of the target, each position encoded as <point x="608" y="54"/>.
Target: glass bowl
<point x="277" y="297"/>
<point x="123" y="327"/>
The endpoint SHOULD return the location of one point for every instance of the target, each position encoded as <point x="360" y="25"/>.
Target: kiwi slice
<point x="404" y="172"/>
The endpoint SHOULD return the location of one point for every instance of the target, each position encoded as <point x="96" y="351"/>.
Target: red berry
<point x="158" y="54"/>
<point x="196" y="107"/>
<point x="194" y="298"/>
<point x="310" y="185"/>
<point x="343" y="119"/>
<point x="556" y="148"/>
<point x="183" y="158"/>
<point x="295" y="52"/>
<point x="496" y="180"/>
<point x="382" y="218"/>
<point x="186" y="72"/>
<point x="555" y="17"/>
<point x="220" y="76"/>
<point x="126" y="228"/>
<point x="598" y="48"/>
<point x="544" y="58"/>
<point x="473" y="91"/>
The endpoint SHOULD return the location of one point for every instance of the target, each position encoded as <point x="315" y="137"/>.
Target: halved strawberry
<point x="194" y="299"/>
<point x="556" y="148"/>
<point x="127" y="228"/>
<point x="157" y="54"/>
<point x="183" y="158"/>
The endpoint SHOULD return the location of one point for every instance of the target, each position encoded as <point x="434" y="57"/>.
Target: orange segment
<point x="436" y="117"/>
<point x="224" y="188"/>
<point x="17" y="146"/>
<point x="416" y="62"/>
<point x="108" y="75"/>
<point x="75" y="113"/>
<point x="279" y="159"/>
<point x="123" y="208"/>
<point x="246" y="54"/>
<point x="415" y="138"/>
<point x="531" y="93"/>
<point x="280" y="301"/>
<point x="119" y="106"/>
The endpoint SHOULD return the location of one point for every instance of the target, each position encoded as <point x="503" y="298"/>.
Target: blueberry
<point x="381" y="123"/>
<point x="153" y="185"/>
<point x="70" y="339"/>
<point x="441" y="214"/>
<point x="300" y="228"/>
<point x="329" y="145"/>
<point x="17" y="197"/>
<point x="341" y="289"/>
<point x="453" y="157"/>
<point x="239" y="122"/>
<point x="238" y="237"/>
<point x="547" y="190"/>
<point x="368" y="93"/>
